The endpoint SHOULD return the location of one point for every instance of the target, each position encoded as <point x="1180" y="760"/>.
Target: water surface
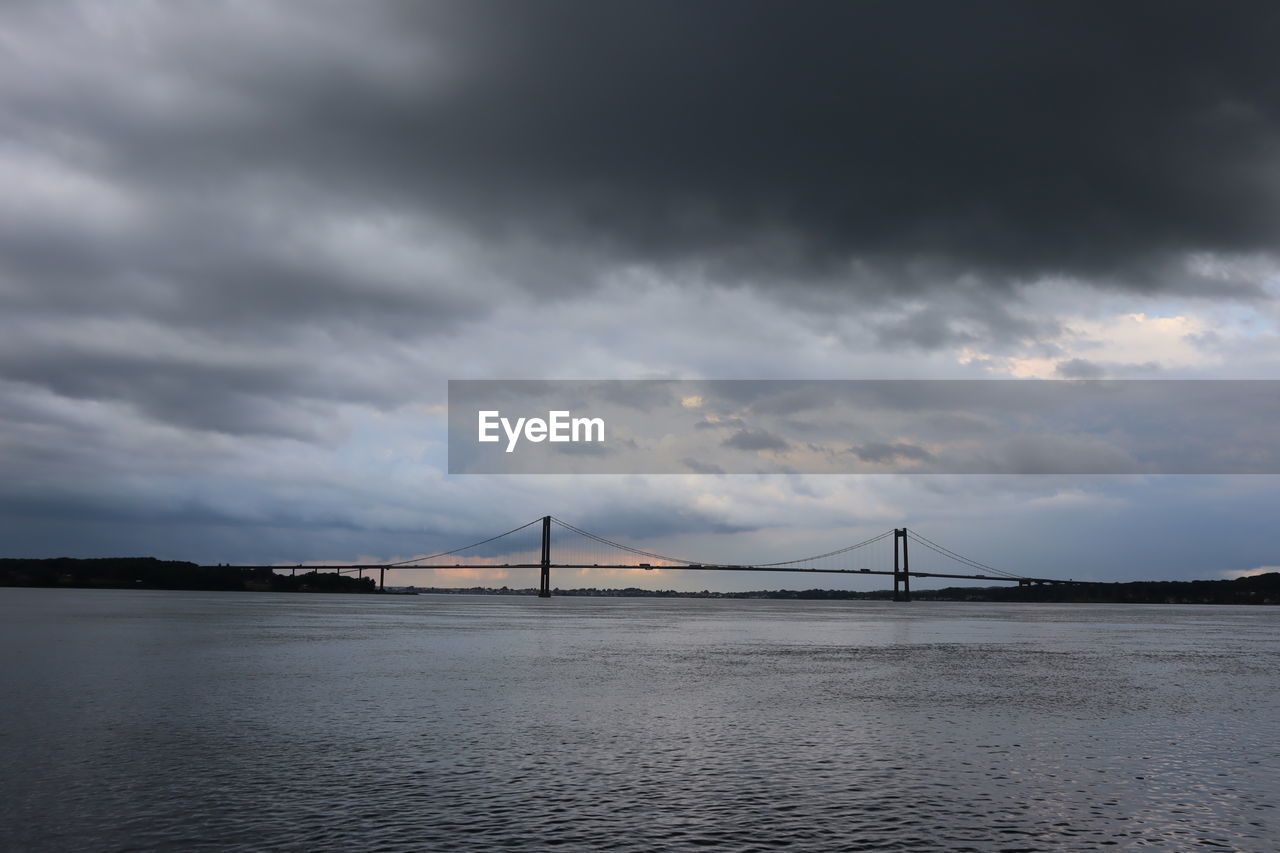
<point x="139" y="720"/>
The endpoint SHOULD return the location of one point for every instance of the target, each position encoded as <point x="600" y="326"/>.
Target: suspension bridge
<point x="901" y="553"/>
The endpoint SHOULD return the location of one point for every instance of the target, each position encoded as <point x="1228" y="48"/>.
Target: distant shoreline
<point x="150" y="573"/>
<point x="1261" y="589"/>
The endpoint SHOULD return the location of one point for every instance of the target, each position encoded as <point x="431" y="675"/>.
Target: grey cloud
<point x="1083" y="368"/>
<point x="1049" y="454"/>
<point x="1079" y="368"/>
<point x="770" y="398"/>
<point x="702" y="467"/>
<point x="899" y="451"/>
<point x="578" y="449"/>
<point x="958" y="424"/>
<point x="754" y="440"/>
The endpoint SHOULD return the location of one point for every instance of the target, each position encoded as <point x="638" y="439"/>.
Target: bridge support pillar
<point x="901" y="567"/>
<point x="544" y="586"/>
<point x="382" y="580"/>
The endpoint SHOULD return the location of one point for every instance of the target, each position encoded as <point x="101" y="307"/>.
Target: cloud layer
<point x="243" y="245"/>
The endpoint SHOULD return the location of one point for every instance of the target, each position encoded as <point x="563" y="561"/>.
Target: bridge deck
<point x="683" y="568"/>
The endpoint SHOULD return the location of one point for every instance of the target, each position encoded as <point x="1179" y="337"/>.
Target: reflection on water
<point x="239" y="721"/>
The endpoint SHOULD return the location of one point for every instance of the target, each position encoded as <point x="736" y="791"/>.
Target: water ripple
<point x="206" y="721"/>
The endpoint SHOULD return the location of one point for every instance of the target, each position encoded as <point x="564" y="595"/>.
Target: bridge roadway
<point x="692" y="567"/>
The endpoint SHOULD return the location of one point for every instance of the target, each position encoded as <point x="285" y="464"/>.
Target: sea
<point x="186" y="721"/>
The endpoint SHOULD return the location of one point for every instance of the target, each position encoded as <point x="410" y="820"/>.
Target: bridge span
<point x="513" y="549"/>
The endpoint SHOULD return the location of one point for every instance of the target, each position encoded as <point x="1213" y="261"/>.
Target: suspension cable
<point x="947" y="552"/>
<point x="828" y="554"/>
<point x="464" y="547"/>
<point x="627" y="548"/>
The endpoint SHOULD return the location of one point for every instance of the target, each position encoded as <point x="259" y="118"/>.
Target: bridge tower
<point x="901" y="576"/>
<point x="544" y="588"/>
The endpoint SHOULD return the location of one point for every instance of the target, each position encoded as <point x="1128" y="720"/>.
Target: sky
<point x="245" y="245"/>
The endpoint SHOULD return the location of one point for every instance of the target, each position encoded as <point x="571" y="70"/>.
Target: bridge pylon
<point x="901" y="576"/>
<point x="544" y="587"/>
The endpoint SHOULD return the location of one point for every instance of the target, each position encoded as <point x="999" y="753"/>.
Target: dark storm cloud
<point x="1007" y="138"/>
<point x="882" y="145"/>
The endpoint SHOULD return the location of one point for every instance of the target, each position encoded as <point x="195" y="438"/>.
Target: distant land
<point x="1260" y="589"/>
<point x="150" y="573"/>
